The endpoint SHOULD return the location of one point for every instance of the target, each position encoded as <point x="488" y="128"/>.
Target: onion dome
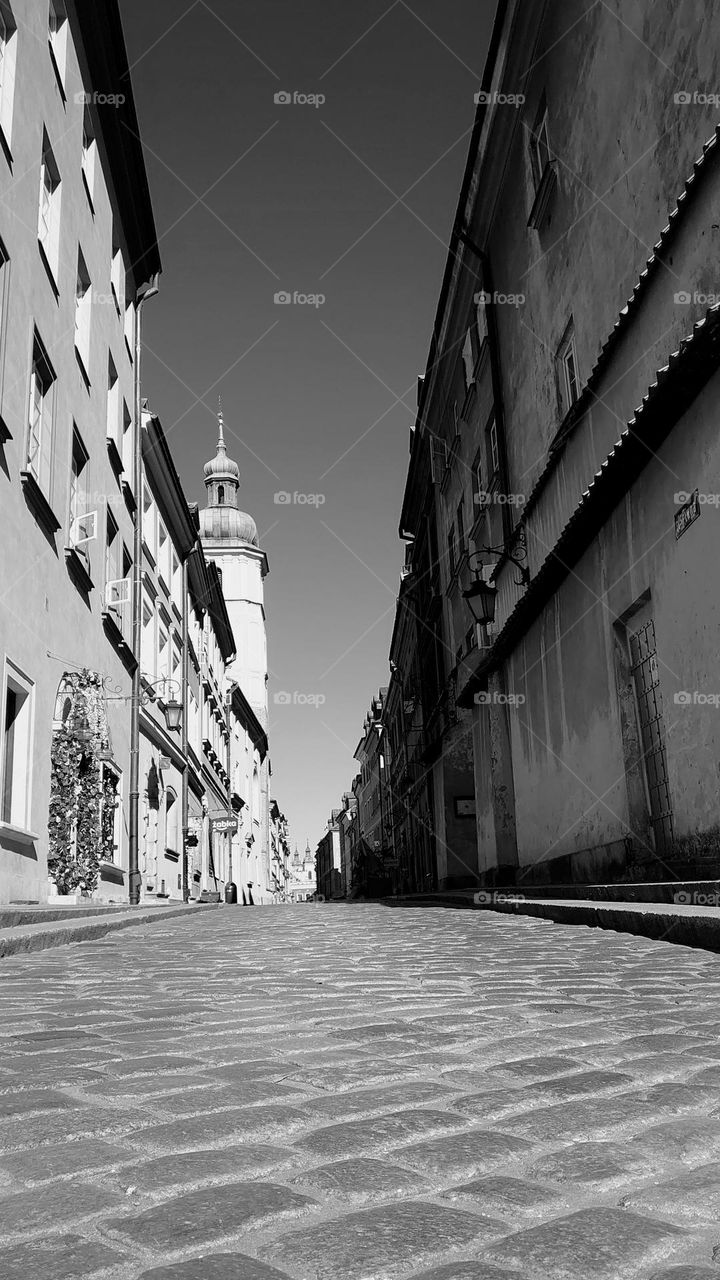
<point x="221" y="520"/>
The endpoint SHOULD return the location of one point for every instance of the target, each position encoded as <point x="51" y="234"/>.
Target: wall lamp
<point x="481" y="596"/>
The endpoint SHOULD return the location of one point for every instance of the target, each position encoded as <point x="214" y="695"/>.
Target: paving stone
<point x="364" y="1135"/>
<point x="691" y="1198"/>
<point x="580" y="1084"/>
<point x="15" y="1104"/>
<point x="370" y="1245"/>
<point x="212" y="1213"/>
<point x="216" y="1095"/>
<point x="688" y="1139"/>
<point x="467" y="1271"/>
<point x="152" y="1064"/>
<point x="222" y="1127"/>
<point x="360" y="1179"/>
<point x="210" y="1165"/>
<point x="464" y="1155"/>
<point x="366" y="1101"/>
<point x="501" y="1194"/>
<point x="587" y="1118"/>
<point x="59" y="1258"/>
<point x="589" y="1162"/>
<point x="216" y="1266"/>
<point x="535" y="1068"/>
<point x="42" y="1163"/>
<point x="597" y="1243"/>
<point x="58" y="1204"/>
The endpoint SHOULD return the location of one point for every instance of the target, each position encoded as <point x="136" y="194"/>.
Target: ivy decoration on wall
<point x="82" y="798"/>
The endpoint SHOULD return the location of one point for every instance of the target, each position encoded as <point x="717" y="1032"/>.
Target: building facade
<point x="301" y="882"/>
<point x="77" y="251"/>
<point x="230" y="543"/>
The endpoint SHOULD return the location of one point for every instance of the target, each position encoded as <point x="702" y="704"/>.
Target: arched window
<point x="221" y="494"/>
<point x="172" y="822"/>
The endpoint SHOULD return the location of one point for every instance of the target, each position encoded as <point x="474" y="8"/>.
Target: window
<point x="163" y="552"/>
<point x="130" y="329"/>
<point x="40" y="417"/>
<point x="461" y="526"/>
<point x="78" y="487"/>
<point x="49" y="210"/>
<point x="478" y="483"/>
<point x="163" y="653"/>
<point x="493" y="450"/>
<point x="113" y="552"/>
<point x="567" y="368"/>
<point x="172" y="822"/>
<point x="83" y="316"/>
<point x="539" y="142"/>
<point x="452" y="554"/>
<point x="117" y="277"/>
<point x="149" y="521"/>
<point x="89" y="156"/>
<point x="57" y="37"/>
<point x="481" y="321"/>
<point x="221" y="494"/>
<point x="15" y="758"/>
<point x="113" y="403"/>
<point x="8" y="54"/>
<point x="111" y="812"/>
<point x="147" y="643"/>
<point x="127" y="442"/>
<point x="176" y="584"/>
<point x="176" y="662"/>
<point x="468" y="360"/>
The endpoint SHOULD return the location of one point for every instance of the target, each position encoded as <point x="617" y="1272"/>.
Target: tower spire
<point x="221" y="424"/>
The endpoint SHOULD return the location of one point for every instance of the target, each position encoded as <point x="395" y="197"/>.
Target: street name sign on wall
<point x="687" y="513"/>
<point x="224" y="824"/>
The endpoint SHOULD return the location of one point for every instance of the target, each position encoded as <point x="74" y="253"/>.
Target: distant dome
<point x="228" y="524"/>
<point x="221" y="520"/>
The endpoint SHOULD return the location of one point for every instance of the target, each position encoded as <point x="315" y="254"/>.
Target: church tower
<point x="230" y="539"/>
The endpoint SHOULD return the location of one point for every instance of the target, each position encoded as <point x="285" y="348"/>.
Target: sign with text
<point x="687" y="514"/>
<point x="224" y="824"/>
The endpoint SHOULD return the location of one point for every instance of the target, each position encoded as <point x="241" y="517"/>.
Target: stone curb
<point x="58" y="933"/>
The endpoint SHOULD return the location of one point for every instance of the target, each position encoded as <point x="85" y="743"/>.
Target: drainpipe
<point x="184" y="738"/>
<point x="146" y="291"/>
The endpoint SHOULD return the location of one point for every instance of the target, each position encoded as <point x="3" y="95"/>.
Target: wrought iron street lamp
<point x="481" y="596"/>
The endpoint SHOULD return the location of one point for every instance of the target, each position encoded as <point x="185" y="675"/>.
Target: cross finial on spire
<point x="221" y="424"/>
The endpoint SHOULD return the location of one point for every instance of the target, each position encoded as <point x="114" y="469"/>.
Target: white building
<point x="230" y="542"/>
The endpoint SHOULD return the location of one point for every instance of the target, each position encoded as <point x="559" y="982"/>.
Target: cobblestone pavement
<point x="358" y="1093"/>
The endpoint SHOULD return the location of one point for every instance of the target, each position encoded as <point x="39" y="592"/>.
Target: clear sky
<point x="253" y="198"/>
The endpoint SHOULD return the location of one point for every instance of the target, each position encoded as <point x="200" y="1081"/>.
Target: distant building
<point x="327" y="860"/>
<point x="301" y="884"/>
<point x="230" y="542"/>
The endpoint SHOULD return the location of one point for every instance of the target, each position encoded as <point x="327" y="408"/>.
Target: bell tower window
<point x="221" y="494"/>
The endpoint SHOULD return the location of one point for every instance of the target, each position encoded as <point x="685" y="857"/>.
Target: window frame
<point x="8" y="71"/>
<point x="49" y="211"/>
<point x="83" y="316"/>
<point x="17" y="818"/>
<point x="40" y="361"/>
<point x="58" y="41"/>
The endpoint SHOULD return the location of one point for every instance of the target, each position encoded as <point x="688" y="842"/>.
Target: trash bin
<point x="231" y="894"/>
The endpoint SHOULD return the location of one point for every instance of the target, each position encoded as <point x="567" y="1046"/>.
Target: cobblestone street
<point x="359" y="1093"/>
